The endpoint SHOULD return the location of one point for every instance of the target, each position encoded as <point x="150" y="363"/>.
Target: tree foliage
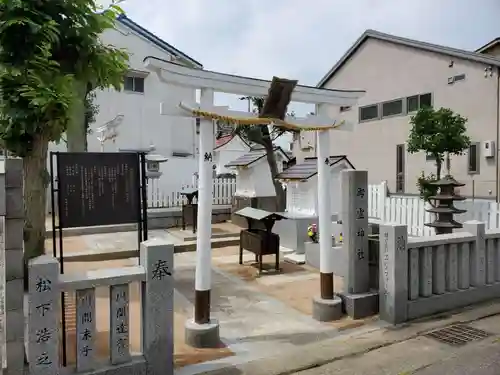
<point x="254" y="133"/>
<point x="60" y="44"/>
<point x="264" y="136"/>
<point x="46" y="49"/>
<point x="439" y="133"/>
<point x="91" y="110"/>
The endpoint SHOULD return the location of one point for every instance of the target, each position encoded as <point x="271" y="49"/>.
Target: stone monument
<point x="359" y="300"/>
<point x="444" y="208"/>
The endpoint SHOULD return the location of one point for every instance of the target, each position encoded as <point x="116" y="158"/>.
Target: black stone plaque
<point x="98" y="188"/>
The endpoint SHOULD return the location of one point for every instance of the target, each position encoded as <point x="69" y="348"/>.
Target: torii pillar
<point x="203" y="331"/>
<point x="327" y="306"/>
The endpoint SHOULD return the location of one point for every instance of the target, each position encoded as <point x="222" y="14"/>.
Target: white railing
<point x="410" y="211"/>
<point x="158" y="197"/>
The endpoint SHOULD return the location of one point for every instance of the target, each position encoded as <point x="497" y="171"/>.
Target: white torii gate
<point x="204" y="331"/>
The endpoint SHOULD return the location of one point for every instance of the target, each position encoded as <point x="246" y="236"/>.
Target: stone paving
<point x="258" y="316"/>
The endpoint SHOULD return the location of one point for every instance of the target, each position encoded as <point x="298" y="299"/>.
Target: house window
<point x="134" y="84"/>
<point x="473" y="158"/>
<point x="368" y="113"/>
<point x="453" y="79"/>
<point x="414" y="103"/>
<point x="400" y="168"/>
<point x="392" y="108"/>
<point x="429" y="157"/>
<point x="345" y="108"/>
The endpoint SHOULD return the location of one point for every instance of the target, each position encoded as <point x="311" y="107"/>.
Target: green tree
<point x="439" y="133"/>
<point x="47" y="49"/>
<point x="264" y="137"/>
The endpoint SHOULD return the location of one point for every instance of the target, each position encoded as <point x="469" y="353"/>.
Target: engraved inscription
<point x="98" y="188"/>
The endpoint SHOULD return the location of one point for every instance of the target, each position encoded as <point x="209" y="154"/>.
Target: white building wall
<point x="142" y="124"/>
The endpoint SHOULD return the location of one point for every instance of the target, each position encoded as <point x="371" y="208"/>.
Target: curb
<point x="354" y="344"/>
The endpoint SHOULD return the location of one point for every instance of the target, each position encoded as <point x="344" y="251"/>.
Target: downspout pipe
<point x="497" y="165"/>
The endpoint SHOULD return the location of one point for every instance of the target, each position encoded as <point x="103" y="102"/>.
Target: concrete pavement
<point x="381" y="349"/>
<point x="425" y="356"/>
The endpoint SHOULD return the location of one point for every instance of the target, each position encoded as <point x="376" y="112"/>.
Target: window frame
<point x="477" y="168"/>
<point x="429" y="157"/>
<point x="134" y="75"/>
<point x="408" y="111"/>
<point x="402" y="113"/>
<point x="377" y="105"/>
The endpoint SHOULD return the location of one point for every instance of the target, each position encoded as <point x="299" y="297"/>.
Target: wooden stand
<point x="259" y="238"/>
<point x="190" y="209"/>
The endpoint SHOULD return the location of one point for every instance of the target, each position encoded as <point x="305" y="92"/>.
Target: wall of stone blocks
<point x="12" y="207"/>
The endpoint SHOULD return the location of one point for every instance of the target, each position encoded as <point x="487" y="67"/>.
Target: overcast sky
<point x="302" y="39"/>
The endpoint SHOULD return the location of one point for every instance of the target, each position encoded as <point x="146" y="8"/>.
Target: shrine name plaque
<point x="98" y="188"/>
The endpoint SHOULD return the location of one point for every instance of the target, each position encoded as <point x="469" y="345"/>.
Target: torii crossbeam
<point x="204" y="331"/>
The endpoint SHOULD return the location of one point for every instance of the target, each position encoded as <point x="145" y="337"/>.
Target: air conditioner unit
<point x="489" y="149"/>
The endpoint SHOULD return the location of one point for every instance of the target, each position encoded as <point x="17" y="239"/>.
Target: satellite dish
<point x="108" y="131"/>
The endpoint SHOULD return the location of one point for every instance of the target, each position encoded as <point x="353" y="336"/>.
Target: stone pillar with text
<point x="359" y="300"/>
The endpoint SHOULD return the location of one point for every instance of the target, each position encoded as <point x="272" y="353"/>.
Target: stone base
<point x="339" y="264"/>
<point x="295" y="258"/>
<point x="202" y="335"/>
<point x="360" y="305"/>
<point x="327" y="310"/>
<point x="293" y="231"/>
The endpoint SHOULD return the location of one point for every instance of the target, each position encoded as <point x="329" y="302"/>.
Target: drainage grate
<point x="458" y="334"/>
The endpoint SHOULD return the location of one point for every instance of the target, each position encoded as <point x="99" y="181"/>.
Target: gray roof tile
<point x="252" y="157"/>
<point x="452" y="52"/>
<point x="309" y="168"/>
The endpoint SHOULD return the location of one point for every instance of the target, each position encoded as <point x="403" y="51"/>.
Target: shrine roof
<point x="309" y="168"/>
<point x="257" y="214"/>
<point x="253" y="156"/>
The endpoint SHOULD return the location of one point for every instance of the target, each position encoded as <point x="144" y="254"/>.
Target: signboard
<point x="98" y="188"/>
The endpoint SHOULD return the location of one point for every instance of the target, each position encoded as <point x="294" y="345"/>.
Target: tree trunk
<point x="36" y="180"/>
<point x="448" y="164"/>
<point x="271" y="160"/>
<point x="438" y="168"/>
<point x="76" y="134"/>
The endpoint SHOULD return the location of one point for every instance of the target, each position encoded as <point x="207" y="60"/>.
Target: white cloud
<point x="303" y="38"/>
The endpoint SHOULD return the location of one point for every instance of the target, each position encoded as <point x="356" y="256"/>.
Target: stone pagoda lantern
<point x="443" y="206"/>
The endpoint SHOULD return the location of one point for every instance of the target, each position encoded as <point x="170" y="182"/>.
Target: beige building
<point x="400" y="75"/>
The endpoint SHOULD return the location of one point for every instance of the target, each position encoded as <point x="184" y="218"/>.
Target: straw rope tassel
<point x="256" y="120"/>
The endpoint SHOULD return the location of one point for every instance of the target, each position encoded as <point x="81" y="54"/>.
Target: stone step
<point x="112" y="254"/>
<point x="295" y="258"/>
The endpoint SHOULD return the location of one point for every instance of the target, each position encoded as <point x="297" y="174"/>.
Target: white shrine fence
<point x="428" y="275"/>
<point x="154" y="272"/>
<point x="159" y="197"/>
<point x="410" y="211"/>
